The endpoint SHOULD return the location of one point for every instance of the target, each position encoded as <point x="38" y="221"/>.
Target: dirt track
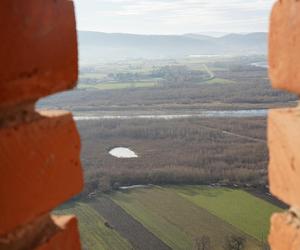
<point x="268" y="197"/>
<point x="139" y="237"/>
<point x="236" y="135"/>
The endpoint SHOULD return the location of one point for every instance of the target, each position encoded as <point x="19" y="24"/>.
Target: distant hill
<point x="96" y="46"/>
<point x="213" y="33"/>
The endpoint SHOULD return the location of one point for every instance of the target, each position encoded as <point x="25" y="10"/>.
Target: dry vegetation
<point x="186" y="151"/>
<point x="183" y="151"/>
<point x="249" y="88"/>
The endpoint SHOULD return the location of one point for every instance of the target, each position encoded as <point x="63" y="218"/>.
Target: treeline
<point x="169" y="74"/>
<point x="179" y="75"/>
<point x="231" y="242"/>
<point x="250" y="89"/>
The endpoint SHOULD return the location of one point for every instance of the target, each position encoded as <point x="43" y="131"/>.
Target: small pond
<point x="122" y="152"/>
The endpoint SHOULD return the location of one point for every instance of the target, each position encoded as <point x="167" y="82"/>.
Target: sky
<point x="173" y="16"/>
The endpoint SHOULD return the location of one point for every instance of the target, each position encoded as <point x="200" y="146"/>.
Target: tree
<point x="104" y="184"/>
<point x="234" y="242"/>
<point x="202" y="243"/>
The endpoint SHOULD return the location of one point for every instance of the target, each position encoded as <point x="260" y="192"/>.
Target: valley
<point x="174" y="152"/>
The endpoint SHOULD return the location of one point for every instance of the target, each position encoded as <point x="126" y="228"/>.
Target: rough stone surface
<point x="66" y="238"/>
<point x="285" y="232"/>
<point x="284" y="146"/>
<point x="30" y="235"/>
<point x="40" y="167"/>
<point x="38" y="52"/>
<point x="284" y="45"/>
<point x="44" y="232"/>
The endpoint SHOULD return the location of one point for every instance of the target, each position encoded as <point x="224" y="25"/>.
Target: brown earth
<point x="138" y="236"/>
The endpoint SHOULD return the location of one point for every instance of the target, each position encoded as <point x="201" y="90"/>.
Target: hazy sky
<point x="173" y="16"/>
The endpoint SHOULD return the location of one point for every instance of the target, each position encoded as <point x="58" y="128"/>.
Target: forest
<point x="228" y="151"/>
<point x="223" y="151"/>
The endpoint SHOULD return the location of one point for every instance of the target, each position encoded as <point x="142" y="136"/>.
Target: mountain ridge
<point x="100" y="45"/>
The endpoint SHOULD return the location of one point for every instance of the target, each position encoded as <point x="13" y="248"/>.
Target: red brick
<point x="67" y="237"/>
<point x="44" y="232"/>
<point x="284" y="146"/>
<point x="38" y="52"/>
<point x="30" y="235"/>
<point x="284" y="45"/>
<point x="39" y="167"/>
<point x="285" y="232"/>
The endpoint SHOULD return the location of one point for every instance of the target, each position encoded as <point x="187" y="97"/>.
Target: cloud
<point x="143" y="7"/>
<point x="205" y="13"/>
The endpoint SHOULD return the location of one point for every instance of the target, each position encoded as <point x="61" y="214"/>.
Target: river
<point x="260" y="65"/>
<point x="221" y="113"/>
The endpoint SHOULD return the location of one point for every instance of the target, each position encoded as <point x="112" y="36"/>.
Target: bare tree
<point x="234" y="242"/>
<point x="202" y="243"/>
<point x="104" y="184"/>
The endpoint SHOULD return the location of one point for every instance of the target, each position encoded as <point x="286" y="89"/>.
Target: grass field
<point x="123" y="85"/>
<point x="238" y="208"/>
<point x="176" y="220"/>
<point x="94" y="234"/>
<point x="176" y="215"/>
<point x="143" y="206"/>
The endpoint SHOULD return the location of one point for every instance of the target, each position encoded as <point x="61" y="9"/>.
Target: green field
<point x="147" y="207"/>
<point x="178" y="215"/>
<point x="120" y="85"/>
<point x="93" y="233"/>
<point x="238" y="208"/>
<point x="177" y="221"/>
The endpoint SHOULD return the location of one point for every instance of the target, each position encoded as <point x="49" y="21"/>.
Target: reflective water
<point x="260" y="64"/>
<point x="222" y="113"/>
<point x="122" y="152"/>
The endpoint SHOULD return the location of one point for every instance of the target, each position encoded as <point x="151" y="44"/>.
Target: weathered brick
<point x="285" y="232"/>
<point x="38" y="52"/>
<point x="284" y="146"/>
<point x="44" y="232"/>
<point x="284" y="45"/>
<point x="40" y="167"/>
<point x="66" y="238"/>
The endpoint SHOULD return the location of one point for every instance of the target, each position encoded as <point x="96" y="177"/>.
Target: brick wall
<point x="284" y="124"/>
<point x="39" y="151"/>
